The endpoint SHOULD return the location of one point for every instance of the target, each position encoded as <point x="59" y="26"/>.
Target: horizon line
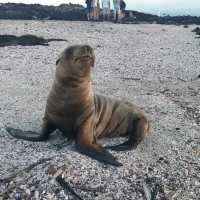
<point x="158" y="11"/>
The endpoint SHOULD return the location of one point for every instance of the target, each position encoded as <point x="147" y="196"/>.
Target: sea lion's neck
<point x="75" y="83"/>
<point x="74" y="90"/>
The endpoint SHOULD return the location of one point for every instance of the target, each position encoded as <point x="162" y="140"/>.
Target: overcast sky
<point x="153" y="6"/>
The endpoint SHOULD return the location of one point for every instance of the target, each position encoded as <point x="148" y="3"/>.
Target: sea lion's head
<point x="77" y="60"/>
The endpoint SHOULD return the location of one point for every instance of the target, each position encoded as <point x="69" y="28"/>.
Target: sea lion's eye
<point x="68" y="53"/>
<point x="57" y="61"/>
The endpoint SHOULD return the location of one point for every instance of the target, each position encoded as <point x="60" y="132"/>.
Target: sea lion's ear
<point x="57" y="61"/>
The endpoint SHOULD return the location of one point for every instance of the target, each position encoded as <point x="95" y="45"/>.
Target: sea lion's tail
<point x="26" y="135"/>
<point x="98" y="153"/>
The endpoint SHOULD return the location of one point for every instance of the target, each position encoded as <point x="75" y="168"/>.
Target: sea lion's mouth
<point x="85" y="58"/>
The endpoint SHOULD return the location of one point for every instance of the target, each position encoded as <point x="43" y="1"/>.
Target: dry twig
<point x="67" y="188"/>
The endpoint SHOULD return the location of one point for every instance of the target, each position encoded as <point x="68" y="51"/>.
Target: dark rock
<point x="37" y="11"/>
<point x="150" y="169"/>
<point x="161" y="159"/>
<point x="148" y="93"/>
<point x="138" y="17"/>
<point x="196" y="30"/>
<point x="98" y="46"/>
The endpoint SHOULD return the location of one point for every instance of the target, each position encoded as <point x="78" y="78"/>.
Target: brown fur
<point x="84" y="117"/>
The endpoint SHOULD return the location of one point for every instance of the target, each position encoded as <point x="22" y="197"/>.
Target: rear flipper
<point x="141" y="128"/>
<point x="98" y="153"/>
<point x="47" y="128"/>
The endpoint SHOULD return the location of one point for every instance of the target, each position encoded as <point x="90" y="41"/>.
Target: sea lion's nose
<point x="87" y="48"/>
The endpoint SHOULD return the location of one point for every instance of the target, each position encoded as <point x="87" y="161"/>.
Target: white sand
<point x="154" y="66"/>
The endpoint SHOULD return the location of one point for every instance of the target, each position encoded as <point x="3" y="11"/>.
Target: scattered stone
<point x="36" y="194"/>
<point x="18" y="196"/>
<point x="51" y="170"/>
<point x="148" y="93"/>
<point x="98" y="46"/>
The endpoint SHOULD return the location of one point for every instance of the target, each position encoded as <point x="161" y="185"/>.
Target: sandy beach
<point x="153" y="66"/>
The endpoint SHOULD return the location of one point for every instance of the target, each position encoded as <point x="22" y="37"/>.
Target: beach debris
<point x="67" y="188"/>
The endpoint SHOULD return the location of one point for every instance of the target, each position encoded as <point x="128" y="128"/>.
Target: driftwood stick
<point x="67" y="188"/>
<point x="26" y="170"/>
<point x="130" y="78"/>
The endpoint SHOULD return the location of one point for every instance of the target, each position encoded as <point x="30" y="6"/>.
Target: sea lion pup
<point x="79" y="115"/>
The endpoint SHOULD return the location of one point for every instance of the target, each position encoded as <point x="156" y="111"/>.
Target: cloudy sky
<point x="183" y="7"/>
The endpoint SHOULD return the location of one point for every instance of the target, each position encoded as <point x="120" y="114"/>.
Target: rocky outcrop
<point x="138" y="17"/>
<point x="37" y="11"/>
<point x="78" y="12"/>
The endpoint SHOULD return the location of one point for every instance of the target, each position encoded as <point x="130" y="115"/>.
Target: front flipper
<point x="47" y="128"/>
<point x="86" y="143"/>
<point x="126" y="146"/>
<point x="98" y="153"/>
<point x="26" y="135"/>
